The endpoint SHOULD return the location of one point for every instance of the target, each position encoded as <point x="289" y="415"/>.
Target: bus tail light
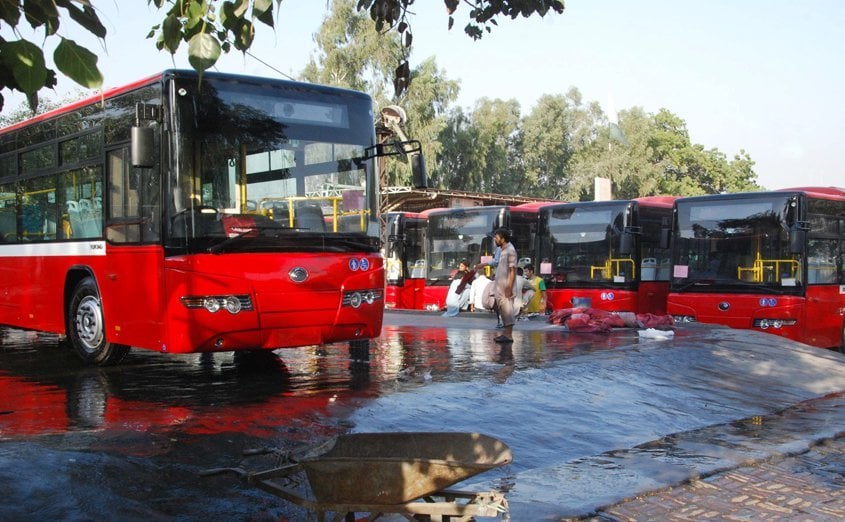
<point x="355" y="298"/>
<point x="213" y="303"/>
<point x="765" y="324"/>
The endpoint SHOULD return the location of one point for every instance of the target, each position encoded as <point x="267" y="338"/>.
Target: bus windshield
<point x="735" y="244"/>
<point x="460" y="235"/>
<point x="271" y="166"/>
<point x="582" y="244"/>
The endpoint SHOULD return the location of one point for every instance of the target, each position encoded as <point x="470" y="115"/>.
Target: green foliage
<point x="352" y="54"/>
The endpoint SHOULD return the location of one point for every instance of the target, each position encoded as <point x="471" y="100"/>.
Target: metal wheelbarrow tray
<point x="392" y="472"/>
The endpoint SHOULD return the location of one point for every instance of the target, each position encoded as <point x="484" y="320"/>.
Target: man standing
<point x="505" y="282"/>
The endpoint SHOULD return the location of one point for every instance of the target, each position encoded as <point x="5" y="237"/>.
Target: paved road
<point x="806" y="486"/>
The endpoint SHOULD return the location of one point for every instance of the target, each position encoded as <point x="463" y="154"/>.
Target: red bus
<point x="186" y="216"/>
<point x="610" y="255"/>
<point x="769" y="261"/>
<point x="404" y="260"/>
<point x="466" y="233"/>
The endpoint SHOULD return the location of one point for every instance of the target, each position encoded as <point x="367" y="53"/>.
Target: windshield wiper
<point x="694" y="282"/>
<point x="220" y="247"/>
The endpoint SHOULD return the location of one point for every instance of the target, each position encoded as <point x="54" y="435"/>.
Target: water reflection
<point x="44" y="389"/>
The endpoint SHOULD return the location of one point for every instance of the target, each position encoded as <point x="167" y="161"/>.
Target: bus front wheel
<point x="359" y="350"/>
<point x="86" y="327"/>
<point x="842" y="340"/>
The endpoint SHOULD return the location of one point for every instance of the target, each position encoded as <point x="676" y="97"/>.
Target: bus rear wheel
<point x="86" y="328"/>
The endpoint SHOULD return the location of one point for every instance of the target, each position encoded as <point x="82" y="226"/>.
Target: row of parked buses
<point x="771" y="261"/>
<point x="242" y="213"/>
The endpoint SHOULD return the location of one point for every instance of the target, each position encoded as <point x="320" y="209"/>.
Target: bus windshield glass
<point x="271" y="166"/>
<point x="734" y="244"/>
<point x="582" y="244"/>
<point x="460" y="235"/>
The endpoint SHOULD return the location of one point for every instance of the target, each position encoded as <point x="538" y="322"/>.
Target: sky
<point x="755" y="75"/>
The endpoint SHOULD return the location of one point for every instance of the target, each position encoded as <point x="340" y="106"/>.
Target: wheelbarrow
<point x="402" y="473"/>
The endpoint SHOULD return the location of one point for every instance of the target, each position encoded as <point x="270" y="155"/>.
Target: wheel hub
<point x="89" y="323"/>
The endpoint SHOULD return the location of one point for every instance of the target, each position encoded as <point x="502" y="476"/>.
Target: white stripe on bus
<point x="54" y="249"/>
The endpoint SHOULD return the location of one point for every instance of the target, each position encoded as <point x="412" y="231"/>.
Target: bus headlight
<point x="355" y="298"/>
<point x="213" y="303"/>
<point x="777" y="324"/>
<point x="681" y="319"/>
<point x="233" y="304"/>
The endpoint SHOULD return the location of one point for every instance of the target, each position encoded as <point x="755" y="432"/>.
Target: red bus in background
<point x="466" y="234"/>
<point x="609" y="255"/>
<point x="186" y="216"/>
<point x="769" y="261"/>
<point x="404" y="260"/>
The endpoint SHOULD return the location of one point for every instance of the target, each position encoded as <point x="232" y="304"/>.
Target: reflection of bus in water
<point x="770" y="261"/>
<point x="251" y="393"/>
<point x="404" y="260"/>
<point x="466" y="234"/>
<point x="611" y="255"/>
<point x="178" y="215"/>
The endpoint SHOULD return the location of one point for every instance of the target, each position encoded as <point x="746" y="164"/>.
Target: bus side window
<point x="8" y="214"/>
<point x="134" y="210"/>
<point x="822" y="261"/>
<point x="39" y="213"/>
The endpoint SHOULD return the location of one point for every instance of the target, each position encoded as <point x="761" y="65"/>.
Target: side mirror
<point x="626" y="241"/>
<point x="142" y="147"/>
<point x="418" y="174"/>
<point x="626" y="244"/>
<point x="798" y="237"/>
<point x="665" y="238"/>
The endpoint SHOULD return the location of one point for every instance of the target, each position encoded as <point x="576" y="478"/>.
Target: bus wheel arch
<point x="85" y="322"/>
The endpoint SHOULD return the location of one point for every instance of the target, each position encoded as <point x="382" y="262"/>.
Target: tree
<point x="351" y="53"/>
<point x="208" y="27"/>
<point x="556" y="129"/>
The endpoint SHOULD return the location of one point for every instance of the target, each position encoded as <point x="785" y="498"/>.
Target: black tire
<point x="842" y="340"/>
<point x="86" y="329"/>
<point x="359" y="350"/>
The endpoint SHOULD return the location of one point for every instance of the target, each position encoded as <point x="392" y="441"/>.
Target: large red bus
<point x="466" y="234"/>
<point x="610" y="255"/>
<point x="404" y="260"/>
<point x="769" y="261"/>
<point x="178" y="215"/>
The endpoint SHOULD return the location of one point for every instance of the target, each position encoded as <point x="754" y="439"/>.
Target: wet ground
<point x="592" y="419"/>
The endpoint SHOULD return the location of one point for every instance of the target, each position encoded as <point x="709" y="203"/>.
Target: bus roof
<point x="184" y="73"/>
<point x="837" y="193"/>
<point x="656" y="201"/>
<point x="109" y="93"/>
<point x="832" y="193"/>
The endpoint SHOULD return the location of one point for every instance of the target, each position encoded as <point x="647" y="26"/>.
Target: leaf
<point x="228" y="18"/>
<point x="203" y="51"/>
<point x="10" y="12"/>
<point x="244" y="35"/>
<point x="171" y="32"/>
<point x="263" y="11"/>
<point x="87" y="18"/>
<point x="39" y="12"/>
<point x="241" y="7"/>
<point x="26" y="60"/>
<point x="78" y="63"/>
